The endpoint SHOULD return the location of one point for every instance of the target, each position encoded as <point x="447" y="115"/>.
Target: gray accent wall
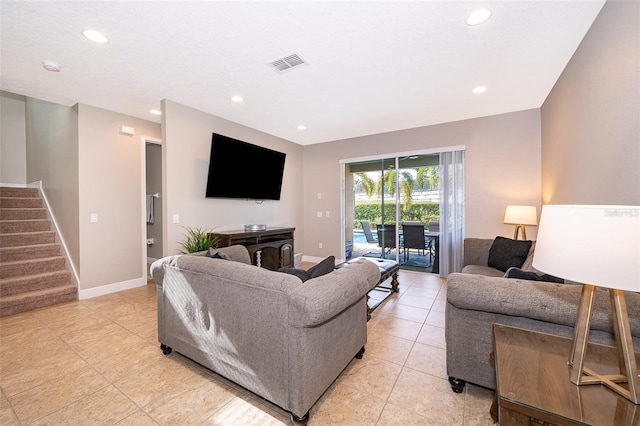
<point x="52" y="157"/>
<point x="591" y="118"/>
<point x="13" y="139"/>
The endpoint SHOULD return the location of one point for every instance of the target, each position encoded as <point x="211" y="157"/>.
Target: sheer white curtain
<point x="451" y="211"/>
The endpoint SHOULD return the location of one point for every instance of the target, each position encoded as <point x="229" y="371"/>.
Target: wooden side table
<point x="534" y="386"/>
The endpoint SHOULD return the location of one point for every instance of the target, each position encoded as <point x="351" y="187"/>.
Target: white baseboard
<point x="313" y="259"/>
<point x="15" y="185"/>
<point x="111" y="288"/>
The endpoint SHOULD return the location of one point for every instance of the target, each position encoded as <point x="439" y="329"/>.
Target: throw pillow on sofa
<point x="324" y="267"/>
<point x="529" y="275"/>
<point x="216" y="254"/>
<point x="506" y="253"/>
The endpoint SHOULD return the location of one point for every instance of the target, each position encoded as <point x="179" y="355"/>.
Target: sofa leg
<point x="360" y="353"/>
<point x="165" y="349"/>
<point x="301" y="421"/>
<point x="457" y="385"/>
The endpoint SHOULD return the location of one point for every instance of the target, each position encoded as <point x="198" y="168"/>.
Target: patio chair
<point x="434" y="226"/>
<point x="386" y="237"/>
<point x="413" y="238"/>
<point x="366" y="228"/>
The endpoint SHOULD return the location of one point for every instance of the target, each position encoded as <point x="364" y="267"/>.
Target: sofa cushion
<point x="532" y="276"/>
<point x="482" y="270"/>
<point x="506" y="253"/>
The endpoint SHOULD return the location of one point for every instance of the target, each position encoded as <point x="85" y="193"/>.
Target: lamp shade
<point x="597" y="245"/>
<point x="521" y="215"/>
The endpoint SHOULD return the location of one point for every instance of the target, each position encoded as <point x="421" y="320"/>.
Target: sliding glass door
<point x="370" y="216"/>
<point x="381" y="197"/>
<point x="384" y="196"/>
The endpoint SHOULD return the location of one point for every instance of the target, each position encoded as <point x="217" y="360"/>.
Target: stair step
<point x="20" y="203"/>
<point x="8" y="191"/>
<point x="35" y="282"/>
<point x="27" y="238"/>
<point x="31" y="225"/>
<point x="11" y="254"/>
<point x="10" y="305"/>
<point x="32" y="266"/>
<point x="22" y="213"/>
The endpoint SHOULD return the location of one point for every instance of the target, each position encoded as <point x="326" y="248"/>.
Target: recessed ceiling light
<point x="155" y="112"/>
<point x="479" y="89"/>
<point x="237" y="99"/>
<point x="96" y="36"/>
<point x="51" y="66"/>
<point x="478" y="17"/>
<point x="302" y="127"/>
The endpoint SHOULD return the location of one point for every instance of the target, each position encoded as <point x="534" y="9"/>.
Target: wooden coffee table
<point x="380" y="293"/>
<point x="534" y="386"/>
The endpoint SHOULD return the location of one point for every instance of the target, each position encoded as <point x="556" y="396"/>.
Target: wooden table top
<point x="532" y="372"/>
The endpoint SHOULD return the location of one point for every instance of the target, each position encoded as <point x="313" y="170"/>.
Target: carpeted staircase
<point x="33" y="274"/>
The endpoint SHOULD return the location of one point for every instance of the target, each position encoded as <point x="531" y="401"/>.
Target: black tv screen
<point x="239" y="169"/>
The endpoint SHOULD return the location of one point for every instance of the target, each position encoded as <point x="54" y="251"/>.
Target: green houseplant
<point x="198" y="239"/>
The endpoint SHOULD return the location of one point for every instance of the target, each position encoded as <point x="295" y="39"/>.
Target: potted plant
<point x="198" y="239"/>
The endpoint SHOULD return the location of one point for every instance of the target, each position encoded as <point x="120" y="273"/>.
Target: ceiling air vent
<point x="288" y="62"/>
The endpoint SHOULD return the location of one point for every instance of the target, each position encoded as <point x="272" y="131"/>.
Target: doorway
<point x="154" y="216"/>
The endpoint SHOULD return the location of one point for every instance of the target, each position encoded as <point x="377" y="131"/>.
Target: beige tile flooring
<point x="98" y="361"/>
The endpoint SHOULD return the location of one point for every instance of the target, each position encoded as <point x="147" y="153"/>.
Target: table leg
<point x="394" y="283"/>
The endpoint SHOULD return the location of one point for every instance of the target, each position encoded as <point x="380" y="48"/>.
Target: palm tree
<point x="406" y="186"/>
<point x="368" y="184"/>
<point x="428" y="174"/>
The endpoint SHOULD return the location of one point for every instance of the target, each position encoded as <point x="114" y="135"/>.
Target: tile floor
<point x="98" y="361"/>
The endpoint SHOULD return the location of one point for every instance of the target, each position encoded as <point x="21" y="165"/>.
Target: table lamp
<point x="598" y="246"/>
<point x="520" y="216"/>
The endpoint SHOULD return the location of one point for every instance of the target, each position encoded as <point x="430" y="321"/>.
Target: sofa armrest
<point x="320" y="299"/>
<point x="476" y="251"/>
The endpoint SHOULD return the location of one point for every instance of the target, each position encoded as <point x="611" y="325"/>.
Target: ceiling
<point x="373" y="66"/>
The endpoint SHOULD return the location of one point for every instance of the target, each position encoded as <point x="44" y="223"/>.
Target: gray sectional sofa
<point x="479" y="296"/>
<point x="269" y="332"/>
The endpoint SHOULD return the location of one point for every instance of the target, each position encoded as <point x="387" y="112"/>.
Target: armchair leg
<point x="457" y="385"/>
<point x="360" y="353"/>
<point x="301" y="421"/>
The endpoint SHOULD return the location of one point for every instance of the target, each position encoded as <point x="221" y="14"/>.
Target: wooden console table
<point x="534" y="386"/>
<point x="270" y="249"/>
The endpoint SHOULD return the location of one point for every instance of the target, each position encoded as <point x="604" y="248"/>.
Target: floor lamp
<point x="520" y="216"/>
<point x="598" y="246"/>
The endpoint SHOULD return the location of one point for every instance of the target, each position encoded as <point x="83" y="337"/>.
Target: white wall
<point x="187" y="141"/>
<point x="502" y="167"/>
<point x="52" y="157"/>
<point x="13" y="139"/>
<point x="111" y="172"/>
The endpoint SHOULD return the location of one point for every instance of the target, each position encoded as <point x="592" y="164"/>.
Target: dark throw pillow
<point x="506" y="253"/>
<point x="300" y="273"/>
<point x="528" y="275"/>
<point x="322" y="268"/>
<point x="216" y="254"/>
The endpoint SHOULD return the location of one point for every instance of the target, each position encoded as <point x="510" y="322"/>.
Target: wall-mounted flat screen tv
<point x="239" y="169"/>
